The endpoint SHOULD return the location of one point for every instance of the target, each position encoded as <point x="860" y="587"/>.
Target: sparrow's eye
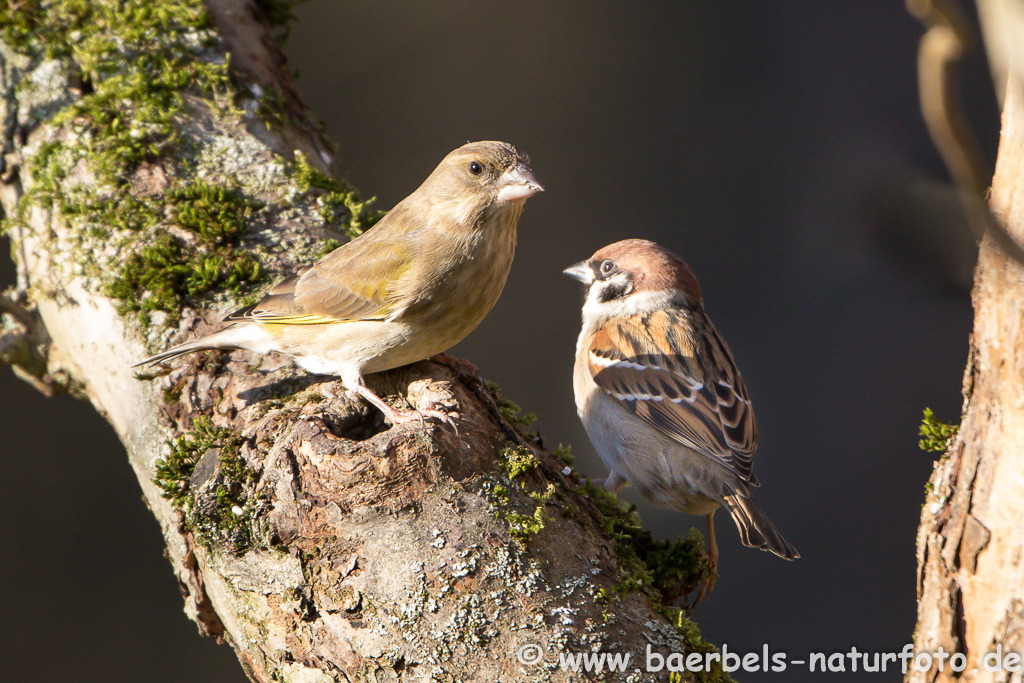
<point x="476" y="168"/>
<point x="608" y="267"/>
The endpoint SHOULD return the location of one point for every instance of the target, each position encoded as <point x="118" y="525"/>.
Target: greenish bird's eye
<point x="476" y="168"/>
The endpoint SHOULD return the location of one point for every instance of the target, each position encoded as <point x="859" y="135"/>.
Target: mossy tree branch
<point x="159" y="168"/>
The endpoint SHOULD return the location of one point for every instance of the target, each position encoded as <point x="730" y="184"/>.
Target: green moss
<point x="675" y="566"/>
<point x="139" y="26"/>
<point x="138" y="58"/>
<point x="935" y="436"/>
<point x="279" y="14"/>
<point x="546" y="495"/>
<point x="137" y="61"/>
<point x="523" y="526"/>
<point x="135" y="58"/>
<point x="672" y="568"/>
<point x="564" y="453"/>
<point x="514" y="462"/>
<point x="50" y="166"/>
<point x="273" y="110"/>
<point x="666" y="570"/>
<point x="510" y="410"/>
<point x="161" y="275"/>
<point x="328" y="246"/>
<point x="174" y="471"/>
<point x="120" y="212"/>
<point x="338" y="204"/>
<point x="517" y="460"/>
<point x="220" y="508"/>
<point x="158" y="271"/>
<point x="216" y="214"/>
<point x="691" y="635"/>
<point x="120" y="165"/>
<point x="18" y="23"/>
<point x="501" y="494"/>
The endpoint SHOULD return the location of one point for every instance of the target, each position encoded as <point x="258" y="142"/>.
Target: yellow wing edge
<point x="294" y="320"/>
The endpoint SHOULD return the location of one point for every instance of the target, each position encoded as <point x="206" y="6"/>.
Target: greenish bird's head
<point x="487" y="171"/>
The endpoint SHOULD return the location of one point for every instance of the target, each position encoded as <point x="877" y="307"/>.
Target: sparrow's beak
<point x="518" y="183"/>
<point x="581" y="271"/>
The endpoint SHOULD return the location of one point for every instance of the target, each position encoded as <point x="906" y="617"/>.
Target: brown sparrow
<point x="659" y="393"/>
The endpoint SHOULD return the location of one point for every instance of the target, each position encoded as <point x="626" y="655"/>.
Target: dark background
<point x="777" y="147"/>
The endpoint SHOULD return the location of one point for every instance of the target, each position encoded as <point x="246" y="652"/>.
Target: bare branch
<point x="943" y="45"/>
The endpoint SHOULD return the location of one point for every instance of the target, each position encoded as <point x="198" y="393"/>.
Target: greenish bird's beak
<point x="518" y="183"/>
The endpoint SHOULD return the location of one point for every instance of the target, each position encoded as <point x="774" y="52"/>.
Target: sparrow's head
<point x="486" y="172"/>
<point x="633" y="276"/>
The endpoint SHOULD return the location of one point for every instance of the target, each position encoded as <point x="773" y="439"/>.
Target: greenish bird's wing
<point x="355" y="282"/>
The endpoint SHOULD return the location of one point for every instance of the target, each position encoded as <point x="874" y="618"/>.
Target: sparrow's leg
<point x="398" y="417"/>
<point x="712" y="545"/>
<point x="614" y="482"/>
<point x="708" y="585"/>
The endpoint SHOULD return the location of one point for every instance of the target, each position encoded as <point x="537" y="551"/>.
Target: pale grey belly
<point x="665" y="472"/>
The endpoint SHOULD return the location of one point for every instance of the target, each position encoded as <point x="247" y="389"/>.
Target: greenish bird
<point x="411" y="287"/>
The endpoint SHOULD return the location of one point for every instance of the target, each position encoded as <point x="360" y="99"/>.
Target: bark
<point x="971" y="539"/>
<point x="316" y="541"/>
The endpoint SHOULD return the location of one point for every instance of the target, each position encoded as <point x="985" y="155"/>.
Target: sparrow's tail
<point x="756" y="531"/>
<point x="217" y="340"/>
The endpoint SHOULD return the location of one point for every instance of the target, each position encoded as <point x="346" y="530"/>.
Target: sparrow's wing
<point x="680" y="378"/>
<point x="356" y="281"/>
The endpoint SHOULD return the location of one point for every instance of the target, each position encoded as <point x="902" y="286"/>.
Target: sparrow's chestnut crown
<point x="634" y="266"/>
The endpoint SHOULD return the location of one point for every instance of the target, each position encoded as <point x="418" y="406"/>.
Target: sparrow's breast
<point x="665" y="472"/>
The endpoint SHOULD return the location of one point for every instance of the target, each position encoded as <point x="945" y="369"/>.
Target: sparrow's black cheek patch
<point x="612" y="291"/>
